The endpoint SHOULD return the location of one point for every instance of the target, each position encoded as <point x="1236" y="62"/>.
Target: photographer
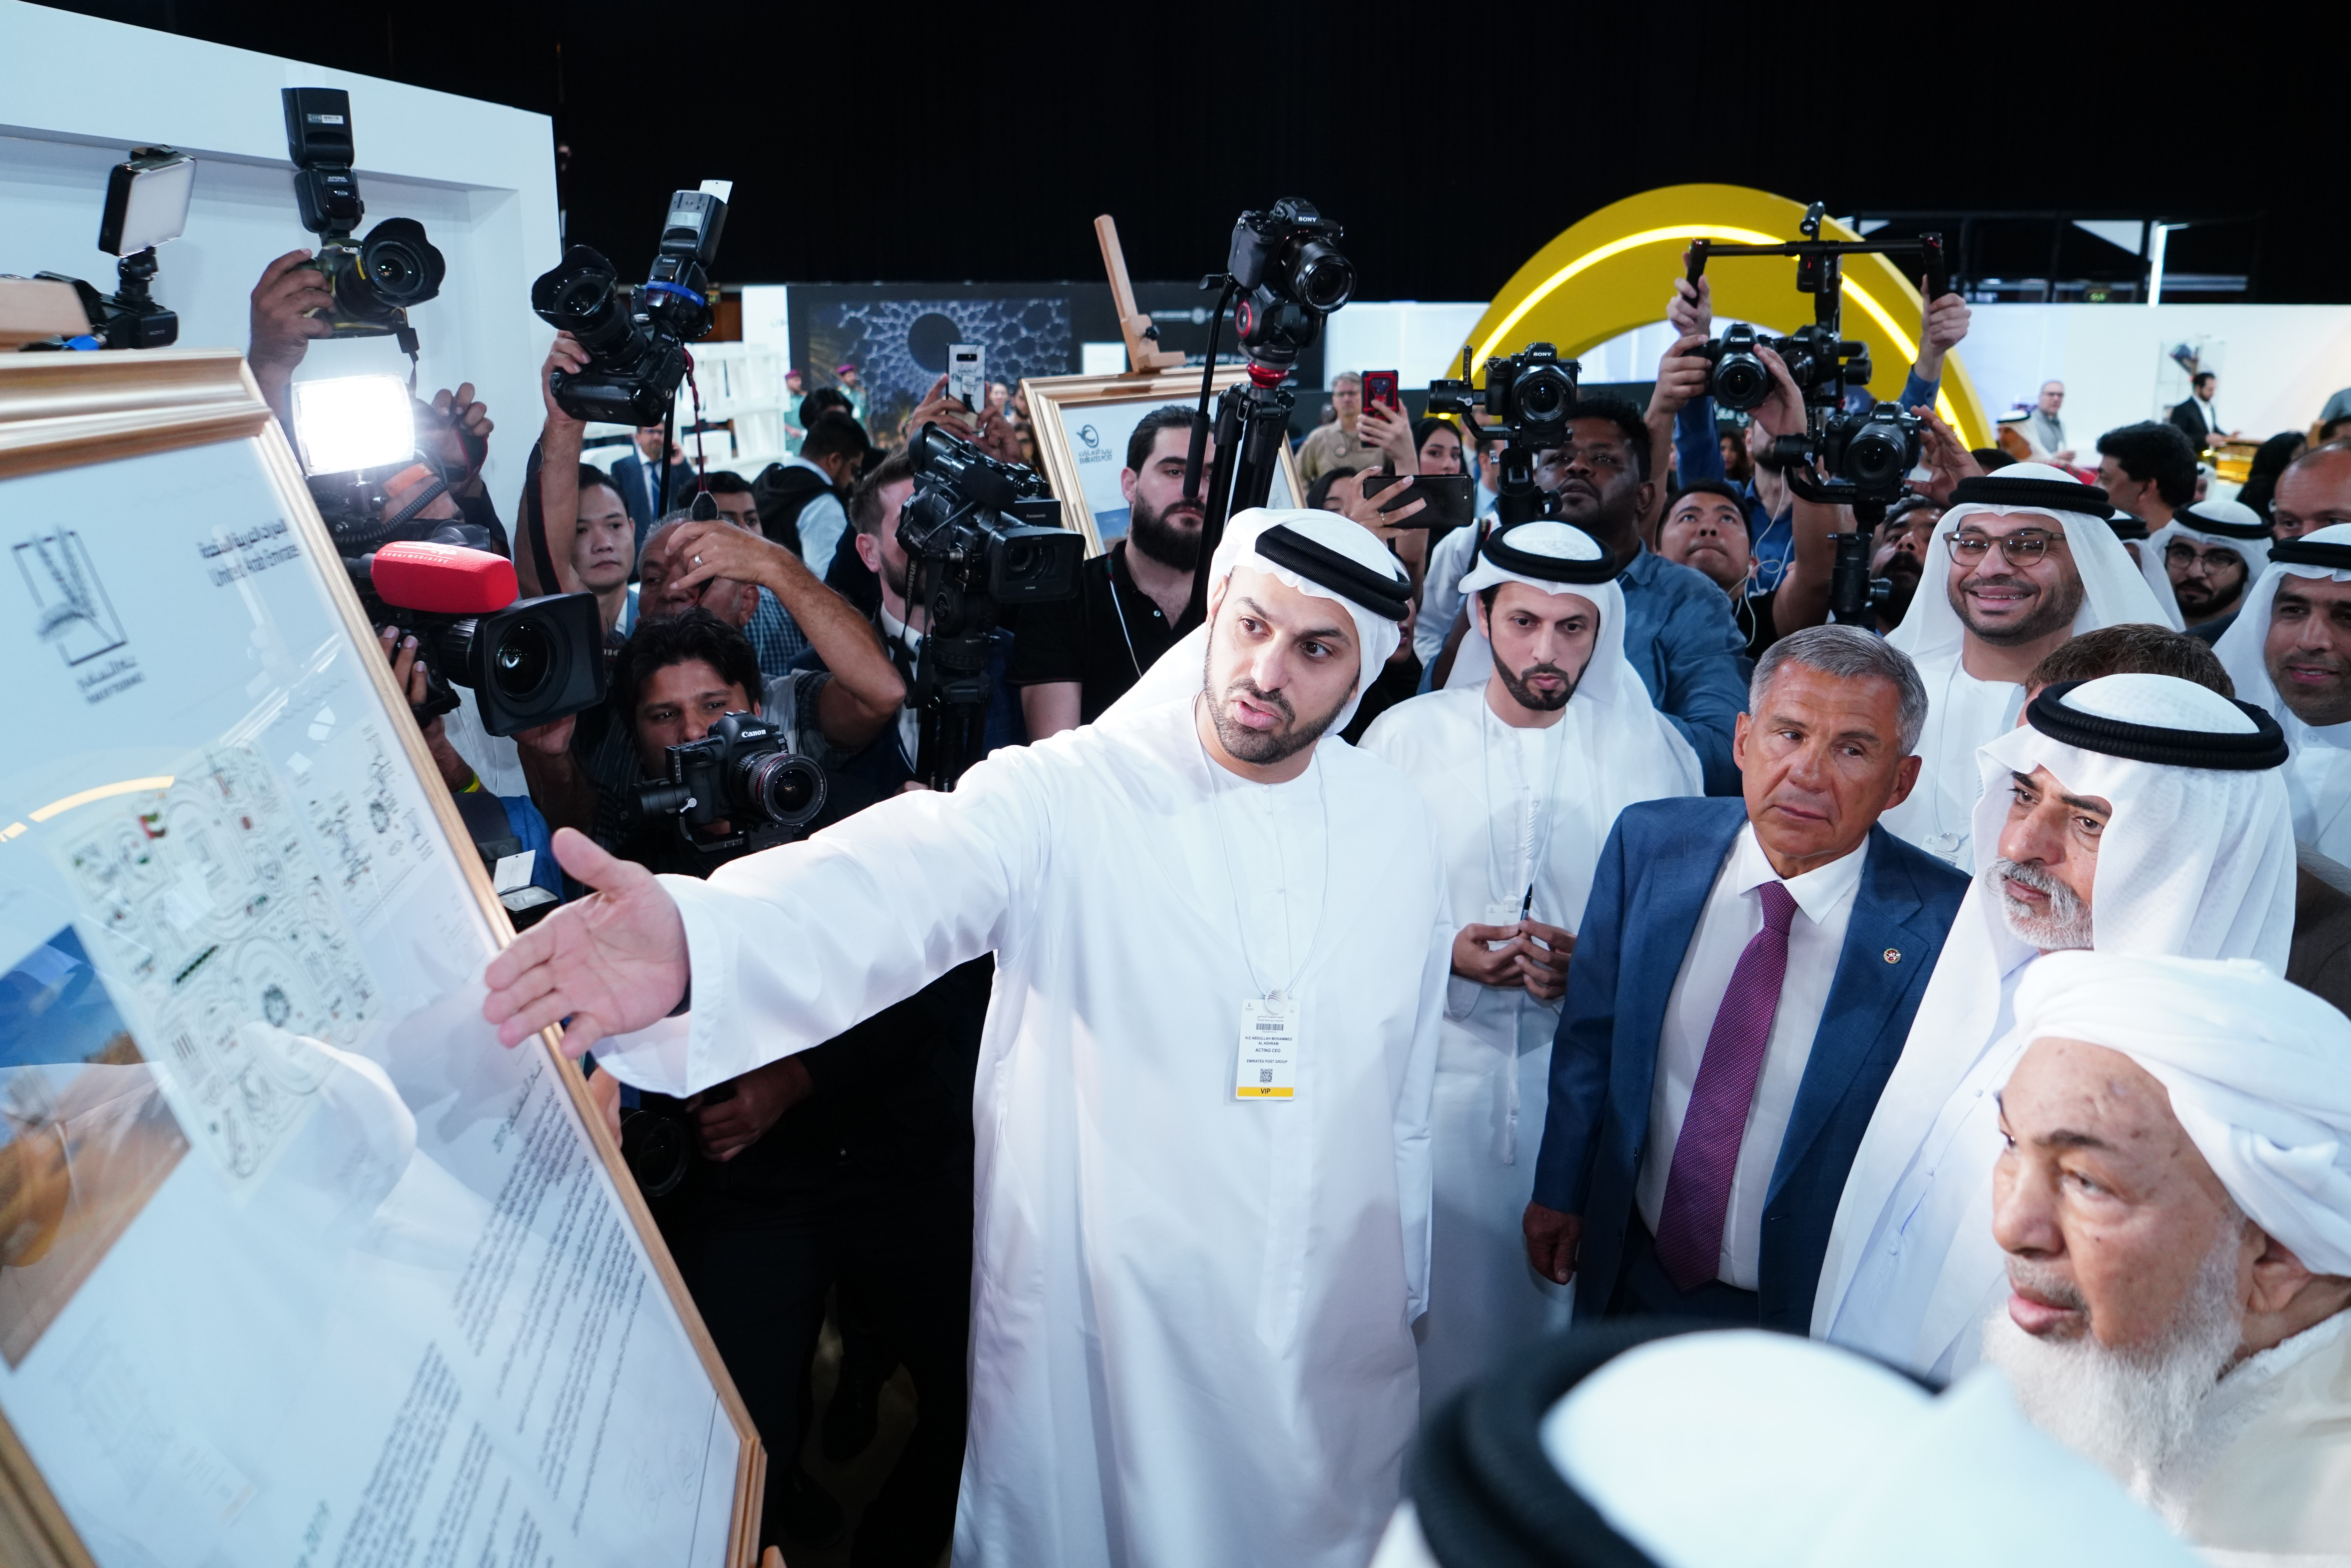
<point x="453" y="430"/>
<point x="1771" y="523"/>
<point x="580" y="773"/>
<point x="1073" y="658"/>
<point x="851" y="1160"/>
<point x="887" y="764"/>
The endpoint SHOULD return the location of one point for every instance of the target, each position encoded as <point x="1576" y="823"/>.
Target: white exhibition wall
<point x="481" y="178"/>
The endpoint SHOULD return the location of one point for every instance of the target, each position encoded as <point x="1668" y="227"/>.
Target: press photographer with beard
<point x="852" y="1158"/>
<point x="1073" y="658"/>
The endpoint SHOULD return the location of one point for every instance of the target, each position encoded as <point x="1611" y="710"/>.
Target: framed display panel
<point x="298" y="1268"/>
<point x="1082" y="424"/>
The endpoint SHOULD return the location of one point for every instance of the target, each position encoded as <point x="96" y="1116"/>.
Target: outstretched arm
<point x="786" y="948"/>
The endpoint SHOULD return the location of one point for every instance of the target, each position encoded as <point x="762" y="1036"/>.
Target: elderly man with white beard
<point x="2023" y="561"/>
<point x="2134" y="813"/>
<point x="2174" y="1200"/>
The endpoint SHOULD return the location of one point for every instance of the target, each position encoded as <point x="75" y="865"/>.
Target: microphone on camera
<point x="442" y="580"/>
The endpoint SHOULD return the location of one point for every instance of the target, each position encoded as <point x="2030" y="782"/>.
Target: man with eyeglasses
<point x="2211" y="550"/>
<point x="2024" y="559"/>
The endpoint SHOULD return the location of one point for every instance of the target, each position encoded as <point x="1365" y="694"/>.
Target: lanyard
<point x="1537" y="850"/>
<point x="1232" y="878"/>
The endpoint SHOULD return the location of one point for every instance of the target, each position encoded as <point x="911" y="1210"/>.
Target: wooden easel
<point x="1144" y="356"/>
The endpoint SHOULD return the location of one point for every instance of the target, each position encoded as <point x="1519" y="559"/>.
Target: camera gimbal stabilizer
<point x="1282" y="277"/>
<point x="1529" y="393"/>
<point x="1865" y="456"/>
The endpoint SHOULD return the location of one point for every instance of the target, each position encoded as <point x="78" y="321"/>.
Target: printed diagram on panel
<point x="216" y="914"/>
<point x="70" y="610"/>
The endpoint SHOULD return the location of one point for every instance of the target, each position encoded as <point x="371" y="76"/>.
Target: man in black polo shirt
<point x="1072" y="659"/>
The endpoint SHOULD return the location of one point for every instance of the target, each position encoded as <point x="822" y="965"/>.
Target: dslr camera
<point x="740" y="773"/>
<point x="377" y="281"/>
<point x="658" y="1135"/>
<point x="978" y="535"/>
<point x="1289" y="274"/>
<point x="1530" y="394"/>
<point x="635" y="337"/>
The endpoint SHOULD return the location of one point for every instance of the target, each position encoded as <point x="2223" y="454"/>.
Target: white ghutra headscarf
<point x="1318" y="553"/>
<point x="2259" y="1073"/>
<point x="2318" y="778"/>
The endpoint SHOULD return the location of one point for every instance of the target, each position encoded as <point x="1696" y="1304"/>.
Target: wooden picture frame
<point x="107" y="463"/>
<point x="1083" y="423"/>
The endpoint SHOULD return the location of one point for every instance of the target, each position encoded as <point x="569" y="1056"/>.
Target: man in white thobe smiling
<point x="1203" y="1098"/>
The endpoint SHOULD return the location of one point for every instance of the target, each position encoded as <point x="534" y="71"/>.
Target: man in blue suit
<point x="633" y="476"/>
<point x="1743" y="982"/>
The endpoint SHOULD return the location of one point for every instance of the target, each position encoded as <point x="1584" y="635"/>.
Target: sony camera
<point x="146" y="206"/>
<point x="1814" y="359"/>
<point x="740" y="773"/>
<point x="1288" y="275"/>
<point x="1530" y="394"/>
<point x="376" y="280"/>
<point x="635" y="337"/>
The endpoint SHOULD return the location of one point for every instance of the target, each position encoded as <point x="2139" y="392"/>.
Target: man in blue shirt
<point x="1678" y="630"/>
<point x="1771" y="524"/>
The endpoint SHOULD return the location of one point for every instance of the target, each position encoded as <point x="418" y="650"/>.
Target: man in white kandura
<point x="2034" y="563"/>
<point x="2136" y="814"/>
<point x="2289" y="651"/>
<point x="2174" y="1200"/>
<point x="1202" y="1112"/>
<point x="1524" y="777"/>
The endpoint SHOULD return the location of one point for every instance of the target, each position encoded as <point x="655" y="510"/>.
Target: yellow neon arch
<point x="1614" y="270"/>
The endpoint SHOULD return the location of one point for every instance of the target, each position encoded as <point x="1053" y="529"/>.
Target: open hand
<point x="1358" y="508"/>
<point x="1783" y="411"/>
<point x="608" y="964"/>
<point x="462" y="418"/>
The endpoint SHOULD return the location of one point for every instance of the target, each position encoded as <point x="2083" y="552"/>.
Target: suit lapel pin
<point x="1894" y="955"/>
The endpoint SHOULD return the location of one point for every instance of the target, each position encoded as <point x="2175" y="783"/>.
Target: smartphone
<point x="1380" y="386"/>
<point x="1452" y="498"/>
<point x="967" y="375"/>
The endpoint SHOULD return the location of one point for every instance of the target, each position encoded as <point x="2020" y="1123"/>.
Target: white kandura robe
<point x="1191" y="1315"/>
<point x="1512" y="806"/>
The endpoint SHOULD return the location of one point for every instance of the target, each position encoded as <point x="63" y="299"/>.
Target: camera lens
<point x="1321" y="276"/>
<point x="658" y="1148"/>
<point x="399" y="264"/>
<point x="522" y="661"/>
<point x="1876" y="458"/>
<point x="784" y="788"/>
<point x="1543" y="394"/>
<point x="1741" y="382"/>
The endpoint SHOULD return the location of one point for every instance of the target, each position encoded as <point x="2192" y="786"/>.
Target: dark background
<point x="944" y="143"/>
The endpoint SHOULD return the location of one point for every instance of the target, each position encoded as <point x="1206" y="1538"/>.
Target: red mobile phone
<point x="1380" y="386"/>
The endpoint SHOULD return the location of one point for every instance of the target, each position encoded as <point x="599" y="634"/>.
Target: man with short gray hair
<point x="1745" y="976"/>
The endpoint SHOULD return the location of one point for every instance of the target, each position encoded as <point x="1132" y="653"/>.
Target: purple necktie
<point x="1705" y="1155"/>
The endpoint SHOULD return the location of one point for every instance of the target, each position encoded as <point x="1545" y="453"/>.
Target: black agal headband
<point x="1498" y="550"/>
<point x="2189" y="517"/>
<point x="2041" y="495"/>
<point x="1387" y="597"/>
<point x="2127" y="528"/>
<point x="2264" y="747"/>
<point x="2310" y="552"/>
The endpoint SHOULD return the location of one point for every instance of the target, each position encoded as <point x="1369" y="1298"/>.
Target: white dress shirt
<point x="1733" y="915"/>
<point x="910" y="718"/>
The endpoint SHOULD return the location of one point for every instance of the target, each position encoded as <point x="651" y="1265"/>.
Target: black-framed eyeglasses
<point x="2184" y="556"/>
<point x="2017" y="549"/>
